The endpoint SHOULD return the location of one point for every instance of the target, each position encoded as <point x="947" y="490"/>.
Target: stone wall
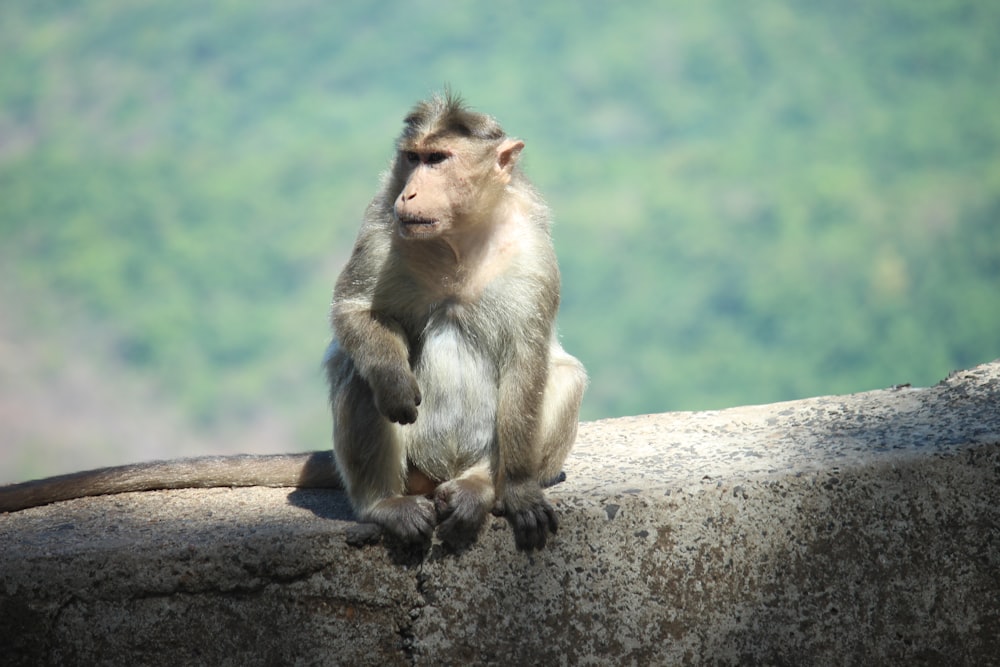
<point x="860" y="529"/>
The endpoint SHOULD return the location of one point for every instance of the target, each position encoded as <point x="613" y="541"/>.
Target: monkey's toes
<point x="460" y="513"/>
<point x="461" y="525"/>
<point x="532" y="526"/>
<point x="409" y="518"/>
<point x="419" y="525"/>
<point x="363" y="534"/>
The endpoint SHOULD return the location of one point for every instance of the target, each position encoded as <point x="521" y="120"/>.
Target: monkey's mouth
<point x="417" y="224"/>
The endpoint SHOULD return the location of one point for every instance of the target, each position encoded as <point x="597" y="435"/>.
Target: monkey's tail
<point x="307" y="470"/>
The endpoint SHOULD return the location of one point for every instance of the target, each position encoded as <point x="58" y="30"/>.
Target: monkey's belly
<point x="456" y="426"/>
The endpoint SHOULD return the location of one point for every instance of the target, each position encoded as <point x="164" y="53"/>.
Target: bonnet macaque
<point x="451" y="394"/>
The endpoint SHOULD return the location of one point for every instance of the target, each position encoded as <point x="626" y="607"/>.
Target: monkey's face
<point x="437" y="193"/>
<point x="450" y="186"/>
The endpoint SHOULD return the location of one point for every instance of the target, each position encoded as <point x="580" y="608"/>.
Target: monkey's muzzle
<point x="417" y="225"/>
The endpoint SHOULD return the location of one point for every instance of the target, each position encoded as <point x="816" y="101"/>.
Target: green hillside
<point x="754" y="201"/>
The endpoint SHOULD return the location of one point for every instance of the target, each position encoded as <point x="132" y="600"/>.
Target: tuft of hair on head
<point x="446" y="115"/>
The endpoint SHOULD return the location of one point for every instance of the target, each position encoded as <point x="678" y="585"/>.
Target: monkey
<point x="451" y="395"/>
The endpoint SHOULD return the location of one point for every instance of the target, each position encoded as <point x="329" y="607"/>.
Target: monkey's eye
<point x="436" y="158"/>
<point x="412" y="157"/>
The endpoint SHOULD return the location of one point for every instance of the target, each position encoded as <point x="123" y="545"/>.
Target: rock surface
<point x="859" y="529"/>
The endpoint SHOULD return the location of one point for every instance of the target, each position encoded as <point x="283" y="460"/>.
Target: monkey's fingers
<point x="461" y="510"/>
<point x="403" y="416"/>
<point x="408" y="518"/>
<point x="532" y="526"/>
<point x="397" y="395"/>
<point x="416" y="527"/>
<point x="460" y="529"/>
<point x="527" y="535"/>
<point x="398" y="409"/>
<point x="442" y="507"/>
<point x="363" y="534"/>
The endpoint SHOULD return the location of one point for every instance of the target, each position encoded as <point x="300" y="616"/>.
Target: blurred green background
<point x="754" y="202"/>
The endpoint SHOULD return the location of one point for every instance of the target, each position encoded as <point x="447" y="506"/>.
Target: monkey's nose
<point x="408" y="196"/>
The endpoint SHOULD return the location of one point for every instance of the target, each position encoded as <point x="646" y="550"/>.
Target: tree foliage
<point x="753" y="202"/>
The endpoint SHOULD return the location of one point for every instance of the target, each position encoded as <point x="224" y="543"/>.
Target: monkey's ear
<point x="507" y="154"/>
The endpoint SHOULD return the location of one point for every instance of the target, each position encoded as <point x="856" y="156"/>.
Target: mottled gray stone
<point x="860" y="529"/>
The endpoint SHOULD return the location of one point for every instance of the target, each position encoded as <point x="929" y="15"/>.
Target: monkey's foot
<point x="529" y="513"/>
<point x="462" y="505"/>
<point x="363" y="534"/>
<point x="410" y="518"/>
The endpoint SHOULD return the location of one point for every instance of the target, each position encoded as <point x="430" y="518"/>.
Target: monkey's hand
<point x="408" y="518"/>
<point x="396" y="393"/>
<point x="529" y="513"/>
<point x="462" y="506"/>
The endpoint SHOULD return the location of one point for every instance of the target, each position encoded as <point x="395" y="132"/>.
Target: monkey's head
<point x="451" y="168"/>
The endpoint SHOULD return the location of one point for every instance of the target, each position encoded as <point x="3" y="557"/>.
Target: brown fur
<point x="445" y="358"/>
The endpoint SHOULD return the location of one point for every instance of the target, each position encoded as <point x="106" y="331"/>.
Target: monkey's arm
<point x="521" y="393"/>
<point x="376" y="344"/>
<point x="307" y="470"/>
<point x="520" y="495"/>
<point x="380" y="354"/>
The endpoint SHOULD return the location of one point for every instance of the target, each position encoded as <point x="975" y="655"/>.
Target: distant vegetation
<point x="754" y="201"/>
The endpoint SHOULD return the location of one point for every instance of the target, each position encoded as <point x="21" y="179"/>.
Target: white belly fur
<point x="456" y="424"/>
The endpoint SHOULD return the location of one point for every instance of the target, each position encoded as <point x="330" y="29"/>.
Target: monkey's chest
<point x="457" y="421"/>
